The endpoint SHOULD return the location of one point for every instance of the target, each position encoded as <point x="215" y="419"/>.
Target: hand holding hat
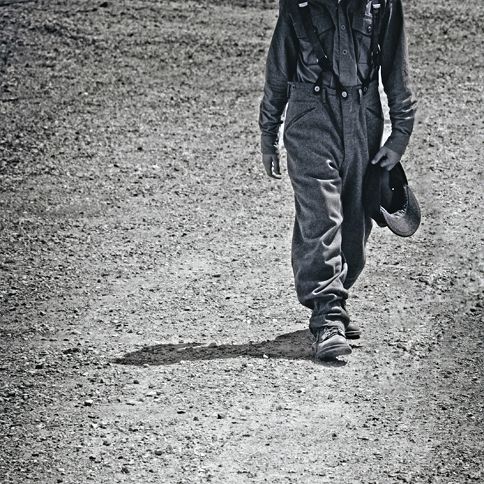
<point x="389" y="200"/>
<point x="386" y="158"/>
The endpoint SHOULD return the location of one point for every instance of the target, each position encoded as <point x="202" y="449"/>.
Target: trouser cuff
<point x="323" y="317"/>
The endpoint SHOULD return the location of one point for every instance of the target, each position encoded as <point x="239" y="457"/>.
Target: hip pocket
<point x="295" y="113"/>
<point x="374" y="108"/>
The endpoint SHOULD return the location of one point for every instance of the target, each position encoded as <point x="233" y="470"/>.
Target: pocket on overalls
<point x="373" y="106"/>
<point x="374" y="123"/>
<point x="296" y="110"/>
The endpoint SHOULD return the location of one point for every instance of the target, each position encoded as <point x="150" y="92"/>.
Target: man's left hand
<point x="386" y="158"/>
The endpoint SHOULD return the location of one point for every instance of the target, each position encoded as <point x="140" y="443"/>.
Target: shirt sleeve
<point x="280" y="68"/>
<point x="396" y="78"/>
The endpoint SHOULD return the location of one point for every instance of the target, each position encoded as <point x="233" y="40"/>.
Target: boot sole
<point x="330" y="352"/>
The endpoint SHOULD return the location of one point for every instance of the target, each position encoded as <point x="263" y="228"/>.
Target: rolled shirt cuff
<point x="397" y="142"/>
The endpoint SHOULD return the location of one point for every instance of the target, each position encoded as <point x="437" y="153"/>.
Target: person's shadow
<point x="290" y="346"/>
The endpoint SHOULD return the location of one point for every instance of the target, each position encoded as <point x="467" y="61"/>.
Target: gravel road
<point x="150" y="331"/>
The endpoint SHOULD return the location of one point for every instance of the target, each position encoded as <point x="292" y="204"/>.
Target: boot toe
<point x="352" y="331"/>
<point x="331" y="348"/>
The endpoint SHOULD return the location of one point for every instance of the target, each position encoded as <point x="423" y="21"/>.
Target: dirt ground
<point x="149" y="328"/>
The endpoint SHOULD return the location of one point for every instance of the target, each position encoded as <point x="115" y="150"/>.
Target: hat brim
<point x="405" y="221"/>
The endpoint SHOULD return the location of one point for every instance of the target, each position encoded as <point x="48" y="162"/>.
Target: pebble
<point x="88" y="403"/>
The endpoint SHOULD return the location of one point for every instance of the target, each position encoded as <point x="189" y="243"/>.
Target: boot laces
<point x="329" y="332"/>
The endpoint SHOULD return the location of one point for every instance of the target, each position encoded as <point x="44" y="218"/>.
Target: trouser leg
<point x="361" y="143"/>
<point x="314" y="149"/>
<point x="319" y="266"/>
<point x="328" y="152"/>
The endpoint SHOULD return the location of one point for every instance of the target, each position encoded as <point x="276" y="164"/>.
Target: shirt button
<point x="368" y="29"/>
<point x="344" y="94"/>
<point x="345" y="51"/>
<point x="343" y="27"/>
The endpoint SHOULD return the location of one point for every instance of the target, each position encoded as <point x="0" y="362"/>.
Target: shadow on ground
<point x="290" y="346"/>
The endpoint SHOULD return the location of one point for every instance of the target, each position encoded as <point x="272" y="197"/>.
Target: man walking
<point x="323" y="62"/>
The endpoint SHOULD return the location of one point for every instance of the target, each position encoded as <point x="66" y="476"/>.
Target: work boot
<point x="352" y="331"/>
<point x="330" y="343"/>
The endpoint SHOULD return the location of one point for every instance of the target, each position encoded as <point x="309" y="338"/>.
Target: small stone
<point x="70" y="351"/>
<point x="131" y="402"/>
<point x="158" y="452"/>
<point x="88" y="403"/>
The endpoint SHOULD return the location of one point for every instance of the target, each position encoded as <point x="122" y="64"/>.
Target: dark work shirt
<point x="344" y="29"/>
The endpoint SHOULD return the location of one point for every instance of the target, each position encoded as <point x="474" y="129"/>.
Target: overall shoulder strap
<point x="377" y="11"/>
<point x="303" y="13"/>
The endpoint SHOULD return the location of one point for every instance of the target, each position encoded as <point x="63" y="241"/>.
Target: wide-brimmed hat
<point x="389" y="200"/>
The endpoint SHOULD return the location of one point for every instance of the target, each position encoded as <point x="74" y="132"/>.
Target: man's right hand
<point x="271" y="164"/>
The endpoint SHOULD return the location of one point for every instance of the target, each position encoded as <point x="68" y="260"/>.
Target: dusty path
<point x="149" y="327"/>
